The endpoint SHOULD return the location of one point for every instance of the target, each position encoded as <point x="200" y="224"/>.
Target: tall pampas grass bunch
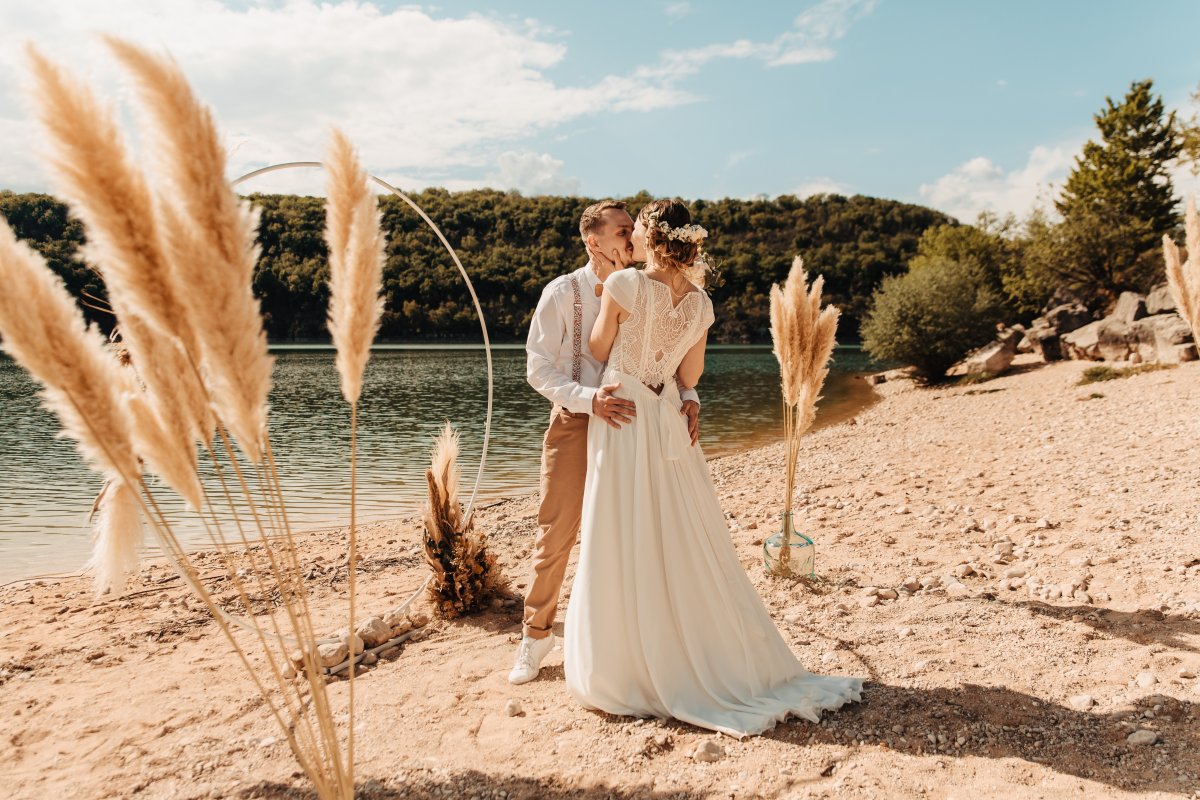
<point x="1183" y="276"/>
<point x="465" y="574"/>
<point x="177" y="250"/>
<point x="804" y="335"/>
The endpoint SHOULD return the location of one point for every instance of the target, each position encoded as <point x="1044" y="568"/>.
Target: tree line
<point x="512" y="245"/>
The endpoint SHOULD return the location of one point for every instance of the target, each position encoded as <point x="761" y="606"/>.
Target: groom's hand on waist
<point x="616" y="411"/>
<point x="691" y="410"/>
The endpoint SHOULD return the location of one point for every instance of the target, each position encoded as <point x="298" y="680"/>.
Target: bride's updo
<point x="673" y="239"/>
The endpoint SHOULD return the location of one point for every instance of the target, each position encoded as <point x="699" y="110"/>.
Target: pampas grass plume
<point x="44" y="331"/>
<point x="116" y="537"/>
<point x="1183" y="277"/>
<point x="210" y="237"/>
<point x="356" y="246"/>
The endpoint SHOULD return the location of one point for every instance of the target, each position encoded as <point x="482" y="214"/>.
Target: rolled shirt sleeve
<point x="549" y="334"/>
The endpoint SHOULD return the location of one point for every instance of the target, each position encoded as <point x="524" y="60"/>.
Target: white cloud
<point x="420" y="95"/>
<point x="982" y="185"/>
<point x="532" y="174"/>
<point x="809" y="40"/>
<point x="677" y="10"/>
<point x="821" y="186"/>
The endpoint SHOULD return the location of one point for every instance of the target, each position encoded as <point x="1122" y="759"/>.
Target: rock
<point x="1186" y="673"/>
<point x="963" y="571"/>
<point x="1014" y="572"/>
<point x="374" y="632"/>
<point x="904" y="633"/>
<point x="1081" y="702"/>
<point x="397" y="618"/>
<point x="332" y="653"/>
<point x="1064" y="318"/>
<point x="869" y="601"/>
<point x="1172" y="335"/>
<point x="957" y="590"/>
<point x="828" y="658"/>
<point x="930" y="581"/>
<point x="513" y="708"/>
<point x="1146" y="679"/>
<point x="419" y="619"/>
<point x="355" y="641"/>
<point x="888" y="594"/>
<point x="792" y="618"/>
<point x="1083" y="344"/>
<point x="708" y="750"/>
<point x="1159" y="301"/>
<point x="911" y="583"/>
<point x="1081" y="596"/>
<point x="369" y="659"/>
<point x="1043" y="524"/>
<point x="994" y="358"/>
<point x="1142" y="738"/>
<point x="1130" y="307"/>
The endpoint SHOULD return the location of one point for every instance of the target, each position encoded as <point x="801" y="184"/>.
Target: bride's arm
<point x="692" y="366"/>
<point x="604" y="332"/>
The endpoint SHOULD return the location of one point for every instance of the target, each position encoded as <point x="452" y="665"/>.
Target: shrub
<point x="932" y="317"/>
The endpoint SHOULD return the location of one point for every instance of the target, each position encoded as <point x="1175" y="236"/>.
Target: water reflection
<point x="45" y="490"/>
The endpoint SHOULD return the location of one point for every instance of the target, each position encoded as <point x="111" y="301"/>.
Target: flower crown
<point x="684" y="233"/>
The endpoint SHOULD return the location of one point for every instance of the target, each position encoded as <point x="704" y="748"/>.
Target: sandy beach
<point x="1014" y="566"/>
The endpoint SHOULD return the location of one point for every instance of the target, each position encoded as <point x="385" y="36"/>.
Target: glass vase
<point x="802" y="560"/>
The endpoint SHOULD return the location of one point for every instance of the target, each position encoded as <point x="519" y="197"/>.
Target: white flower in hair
<point x="684" y="233"/>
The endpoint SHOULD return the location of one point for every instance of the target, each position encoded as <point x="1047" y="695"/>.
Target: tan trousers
<point x="564" y="468"/>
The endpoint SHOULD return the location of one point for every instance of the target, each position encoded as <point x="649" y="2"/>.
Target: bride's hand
<point x="616" y="260"/>
<point x="691" y="410"/>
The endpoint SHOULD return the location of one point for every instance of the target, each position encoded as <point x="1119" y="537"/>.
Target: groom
<point x="561" y="368"/>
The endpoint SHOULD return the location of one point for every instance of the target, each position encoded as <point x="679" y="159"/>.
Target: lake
<point x="409" y="391"/>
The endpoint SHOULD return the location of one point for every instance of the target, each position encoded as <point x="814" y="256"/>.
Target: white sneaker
<point x="529" y="658"/>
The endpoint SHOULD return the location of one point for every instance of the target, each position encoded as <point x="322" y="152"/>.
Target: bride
<point x="663" y="620"/>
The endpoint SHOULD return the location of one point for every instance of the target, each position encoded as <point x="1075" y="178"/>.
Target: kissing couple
<point x="662" y="619"/>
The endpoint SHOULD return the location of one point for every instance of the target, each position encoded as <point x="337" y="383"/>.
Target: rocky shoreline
<point x="1012" y="565"/>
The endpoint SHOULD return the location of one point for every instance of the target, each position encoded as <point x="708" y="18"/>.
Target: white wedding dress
<point x="663" y="621"/>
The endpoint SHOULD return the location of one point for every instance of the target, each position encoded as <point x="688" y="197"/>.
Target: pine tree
<point x="1118" y="200"/>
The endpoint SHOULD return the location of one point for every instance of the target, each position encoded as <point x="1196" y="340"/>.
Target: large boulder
<point x="1046" y="342"/>
<point x="1159" y="301"/>
<point x="1131" y="307"/>
<point x="994" y="358"/>
<point x="1173" y="340"/>
<point x="1065" y="318"/>
<point x="1083" y="344"/>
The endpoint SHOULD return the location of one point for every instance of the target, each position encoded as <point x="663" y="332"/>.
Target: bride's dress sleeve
<point x="622" y="286"/>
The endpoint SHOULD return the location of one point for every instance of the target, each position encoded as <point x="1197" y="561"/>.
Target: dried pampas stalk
<point x="1183" y="277"/>
<point x="209" y="235"/>
<point x="803" y="336"/>
<point x="465" y="575"/>
<point x="44" y="331"/>
<point x="355" y="242"/>
<point x="117" y="536"/>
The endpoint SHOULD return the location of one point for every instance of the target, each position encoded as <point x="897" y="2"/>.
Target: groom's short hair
<point x="591" y="218"/>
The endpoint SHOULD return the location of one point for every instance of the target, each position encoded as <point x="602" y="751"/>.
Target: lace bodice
<point x="656" y="336"/>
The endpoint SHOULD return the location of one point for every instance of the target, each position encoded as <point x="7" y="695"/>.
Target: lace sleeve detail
<point x="707" y="318"/>
<point x="622" y="286"/>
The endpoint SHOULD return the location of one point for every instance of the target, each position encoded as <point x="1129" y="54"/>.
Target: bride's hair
<point x="673" y="239"/>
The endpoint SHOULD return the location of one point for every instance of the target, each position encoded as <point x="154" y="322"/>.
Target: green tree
<point x="1118" y="200"/>
<point x="932" y="317"/>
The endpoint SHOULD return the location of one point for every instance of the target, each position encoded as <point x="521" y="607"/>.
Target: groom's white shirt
<point x="549" y="347"/>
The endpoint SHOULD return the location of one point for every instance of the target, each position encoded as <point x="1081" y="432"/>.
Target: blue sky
<point x="958" y="105"/>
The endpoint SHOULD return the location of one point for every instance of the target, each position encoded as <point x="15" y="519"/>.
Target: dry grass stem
<point x="209" y="233"/>
<point x="1183" y="277"/>
<point x="803" y="336"/>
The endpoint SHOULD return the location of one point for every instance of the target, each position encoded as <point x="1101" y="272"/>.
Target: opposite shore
<point x="1011" y="565"/>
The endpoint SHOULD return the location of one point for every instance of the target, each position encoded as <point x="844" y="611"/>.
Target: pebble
<point x="1082" y="702"/>
<point x="963" y="570"/>
<point x="792" y="619"/>
<point x="957" y="590"/>
<point x="904" y="632"/>
<point x="1186" y="673"/>
<point x="828" y="658"/>
<point x="888" y="594"/>
<point x="332" y="653"/>
<point x="1142" y="738"/>
<point x="369" y="659"/>
<point x="1042" y="524"/>
<point x="708" y="750"/>
<point x="1014" y="572"/>
<point x="1146" y="679"/>
<point x="373" y="631"/>
<point x="513" y="708"/>
<point x="870" y="601"/>
<point x="911" y="583"/>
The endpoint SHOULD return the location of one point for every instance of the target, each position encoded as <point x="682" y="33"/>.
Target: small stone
<point x="374" y="632"/>
<point x="870" y="601"/>
<point x="1142" y="738"/>
<point x="904" y="632"/>
<point x="513" y="708"/>
<point x="869" y="591"/>
<point x="268" y="741"/>
<point x="930" y="582"/>
<point x="1080" y="596"/>
<point x="1014" y="572"/>
<point x="332" y="653"/>
<point x="957" y="590"/>
<point x="903" y="510"/>
<point x="963" y="570"/>
<point x="289" y="672"/>
<point x="419" y="619"/>
<point x="888" y="594"/>
<point x="369" y="659"/>
<point x="1186" y="673"/>
<point x="708" y="750"/>
<point x="1042" y="524"/>
<point x="828" y="658"/>
<point x="911" y="583"/>
<point x="1082" y="702"/>
<point x="1146" y="679"/>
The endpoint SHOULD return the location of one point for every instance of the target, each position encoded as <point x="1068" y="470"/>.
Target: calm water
<point x="46" y="491"/>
